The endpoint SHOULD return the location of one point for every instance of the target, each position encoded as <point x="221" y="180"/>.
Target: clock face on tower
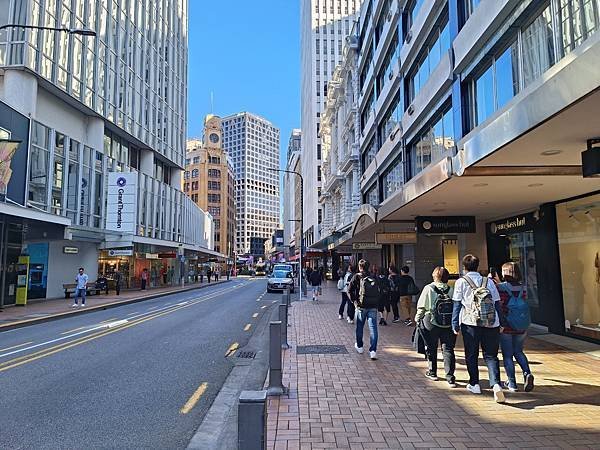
<point x="214" y="138"/>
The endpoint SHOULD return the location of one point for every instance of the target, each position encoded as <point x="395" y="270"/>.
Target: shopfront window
<point x="578" y="224"/>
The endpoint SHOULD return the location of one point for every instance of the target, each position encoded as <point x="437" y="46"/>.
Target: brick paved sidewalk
<point x="349" y="401"/>
<point x="44" y="309"/>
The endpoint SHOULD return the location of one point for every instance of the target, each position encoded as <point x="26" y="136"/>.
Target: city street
<point x="136" y="376"/>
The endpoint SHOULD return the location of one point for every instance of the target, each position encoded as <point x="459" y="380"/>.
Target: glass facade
<point x="134" y="73"/>
<point x="433" y="143"/>
<point x="531" y="51"/>
<point x="578" y="223"/>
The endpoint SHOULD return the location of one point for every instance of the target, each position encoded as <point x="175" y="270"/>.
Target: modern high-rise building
<point x="209" y="182"/>
<point x="253" y="144"/>
<point x="324" y="27"/>
<point x="100" y="123"/>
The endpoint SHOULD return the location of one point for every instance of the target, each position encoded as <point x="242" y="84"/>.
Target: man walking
<point x="406" y="287"/>
<point x="476" y="315"/>
<point x="365" y="294"/>
<point x="81" y="279"/>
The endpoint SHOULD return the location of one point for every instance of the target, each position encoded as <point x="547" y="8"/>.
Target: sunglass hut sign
<point x="122" y="202"/>
<point x="512" y="224"/>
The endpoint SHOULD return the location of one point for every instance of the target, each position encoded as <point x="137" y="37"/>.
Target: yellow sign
<point x="22" y="280"/>
<point x="405" y="237"/>
<point x="450" y="250"/>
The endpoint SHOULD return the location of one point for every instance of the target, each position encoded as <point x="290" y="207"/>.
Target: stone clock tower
<point x="209" y="181"/>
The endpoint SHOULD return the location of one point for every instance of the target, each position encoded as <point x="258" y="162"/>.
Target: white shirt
<point x="347" y="279"/>
<point x="463" y="292"/>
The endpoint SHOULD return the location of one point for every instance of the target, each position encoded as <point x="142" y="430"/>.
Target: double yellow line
<point x="12" y="363"/>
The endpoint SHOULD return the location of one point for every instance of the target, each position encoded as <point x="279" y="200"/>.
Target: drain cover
<point x="321" y="349"/>
<point x="246" y="355"/>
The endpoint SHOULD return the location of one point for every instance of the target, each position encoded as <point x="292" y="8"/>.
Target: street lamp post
<point x="79" y="31"/>
<point x="301" y="215"/>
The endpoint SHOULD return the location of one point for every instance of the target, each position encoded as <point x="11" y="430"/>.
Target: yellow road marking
<point x="189" y="405"/>
<point x="15" y="346"/>
<point x="232" y="348"/>
<point x="73" y="331"/>
<point x="247" y="327"/>
<point x="110" y="320"/>
<point x="255" y="315"/>
<point x="58" y="348"/>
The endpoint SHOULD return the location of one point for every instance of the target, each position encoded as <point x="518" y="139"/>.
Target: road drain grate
<point x="246" y="355"/>
<point x="321" y="350"/>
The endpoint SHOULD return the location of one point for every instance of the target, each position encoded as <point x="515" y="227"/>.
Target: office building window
<point x="392" y="179"/>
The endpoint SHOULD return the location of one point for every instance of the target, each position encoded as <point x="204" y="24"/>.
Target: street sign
<point x="366" y="246"/>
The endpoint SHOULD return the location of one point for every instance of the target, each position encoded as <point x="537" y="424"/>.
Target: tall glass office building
<point x="83" y="108"/>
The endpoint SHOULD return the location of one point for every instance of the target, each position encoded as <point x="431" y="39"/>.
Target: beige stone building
<point x="209" y="182"/>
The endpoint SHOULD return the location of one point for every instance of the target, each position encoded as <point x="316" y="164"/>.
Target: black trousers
<point x="489" y="340"/>
<point x="350" y="310"/>
<point x="447" y="338"/>
<point x="394" y="300"/>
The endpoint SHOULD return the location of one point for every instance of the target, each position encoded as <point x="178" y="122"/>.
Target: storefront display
<point x="578" y="224"/>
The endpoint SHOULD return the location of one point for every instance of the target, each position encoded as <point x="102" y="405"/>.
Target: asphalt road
<point x="137" y="376"/>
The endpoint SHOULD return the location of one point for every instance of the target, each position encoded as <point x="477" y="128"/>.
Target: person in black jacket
<point x="315" y="282"/>
<point x="365" y="293"/>
<point x="406" y="282"/>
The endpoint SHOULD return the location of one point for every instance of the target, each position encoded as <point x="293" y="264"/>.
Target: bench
<point x="70" y="288"/>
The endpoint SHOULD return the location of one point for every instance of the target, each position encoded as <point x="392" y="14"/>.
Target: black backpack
<point x="394" y="284"/>
<point x="369" y="294"/>
<point x="442" y="307"/>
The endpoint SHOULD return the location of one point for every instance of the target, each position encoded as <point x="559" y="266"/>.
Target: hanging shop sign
<point x="70" y="250"/>
<point x="516" y="224"/>
<point x="446" y="224"/>
<point x="366" y="246"/>
<point x="171" y="255"/>
<point x="396" y="238"/>
<point x="122" y="202"/>
<point x="152" y="256"/>
<point x="120" y="252"/>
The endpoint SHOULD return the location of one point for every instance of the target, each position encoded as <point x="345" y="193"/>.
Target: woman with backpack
<point x="394" y="280"/>
<point x="434" y="314"/>
<point x="343" y="284"/>
<point x="514" y="320"/>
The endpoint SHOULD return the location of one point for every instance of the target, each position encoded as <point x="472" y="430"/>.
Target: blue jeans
<point x="80" y="293"/>
<point x="362" y="316"/>
<point x="512" y="347"/>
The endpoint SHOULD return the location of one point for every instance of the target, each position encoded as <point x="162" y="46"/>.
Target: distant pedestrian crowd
<point x="490" y="312"/>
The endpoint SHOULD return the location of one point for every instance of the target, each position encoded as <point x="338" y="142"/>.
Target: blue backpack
<point x="518" y="316"/>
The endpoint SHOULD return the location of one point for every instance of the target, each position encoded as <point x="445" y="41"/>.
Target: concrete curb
<point x="66" y="314"/>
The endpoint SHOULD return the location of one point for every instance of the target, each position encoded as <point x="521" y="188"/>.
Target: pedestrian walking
<point x="350" y="310"/>
<point x="315" y="282"/>
<point x="394" y="280"/>
<point x="171" y="274"/>
<point x="365" y="293"/>
<point x="476" y="314"/>
<point x="406" y="290"/>
<point x="385" y="299"/>
<point x="434" y="314"/>
<point x="208" y="274"/>
<point x="118" y="280"/>
<point x="514" y="319"/>
<point x="201" y="275"/>
<point x="81" y="289"/>
<point x="144" y="278"/>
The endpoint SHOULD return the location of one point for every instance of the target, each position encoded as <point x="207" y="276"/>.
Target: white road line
<point x="118" y="323"/>
<point x="182" y="303"/>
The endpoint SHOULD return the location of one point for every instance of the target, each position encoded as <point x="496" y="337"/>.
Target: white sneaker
<point x="74" y="305"/>
<point x="373" y="355"/>
<point x="350" y="320"/>
<point x="498" y="394"/>
<point x="474" y="389"/>
<point x="83" y="305"/>
<point x="340" y="317"/>
<point x="360" y="350"/>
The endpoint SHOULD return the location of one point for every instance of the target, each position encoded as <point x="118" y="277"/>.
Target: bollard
<point x="286" y="297"/>
<point x="252" y="420"/>
<point x="283" y="318"/>
<point x="275" y="363"/>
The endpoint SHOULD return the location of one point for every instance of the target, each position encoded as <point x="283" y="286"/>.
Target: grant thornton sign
<point x="122" y="202"/>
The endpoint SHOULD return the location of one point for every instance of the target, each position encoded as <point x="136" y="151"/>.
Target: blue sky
<point x="247" y="52"/>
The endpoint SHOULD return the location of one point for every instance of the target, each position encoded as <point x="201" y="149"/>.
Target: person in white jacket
<point x="346" y="297"/>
